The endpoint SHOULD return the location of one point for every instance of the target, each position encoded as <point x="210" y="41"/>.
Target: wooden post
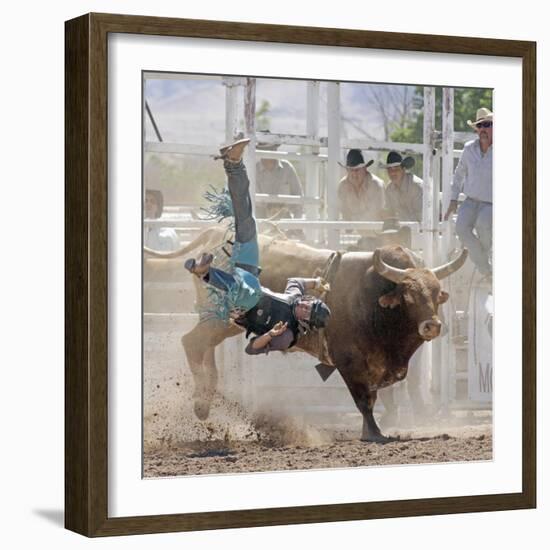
<point x="448" y="359"/>
<point x="312" y="184"/>
<point x="231" y="99"/>
<point x="226" y="381"/>
<point x="250" y="131"/>
<point x="447" y="155"/>
<point x="250" y="385"/>
<point x="428" y="222"/>
<point x="333" y="171"/>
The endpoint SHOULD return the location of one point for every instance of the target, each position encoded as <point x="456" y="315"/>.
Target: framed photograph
<point x="287" y="297"/>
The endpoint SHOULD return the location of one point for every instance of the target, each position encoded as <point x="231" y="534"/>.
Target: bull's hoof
<point x="379" y="438"/>
<point x="202" y="409"/>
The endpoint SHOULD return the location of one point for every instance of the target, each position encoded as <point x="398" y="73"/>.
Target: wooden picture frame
<point x="86" y="226"/>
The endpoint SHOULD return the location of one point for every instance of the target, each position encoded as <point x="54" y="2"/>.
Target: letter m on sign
<point x="485" y="378"/>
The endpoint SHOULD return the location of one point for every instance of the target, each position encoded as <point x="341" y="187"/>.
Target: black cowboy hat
<point x="355" y="159"/>
<point x="395" y="159"/>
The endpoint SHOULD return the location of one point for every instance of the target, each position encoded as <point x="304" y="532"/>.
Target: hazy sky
<point x="193" y="110"/>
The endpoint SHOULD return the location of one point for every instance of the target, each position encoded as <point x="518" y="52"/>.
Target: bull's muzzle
<point x="430" y="329"/>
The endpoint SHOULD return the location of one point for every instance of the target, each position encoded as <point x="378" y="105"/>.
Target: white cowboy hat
<point x="266" y="145"/>
<point x="482" y="115"/>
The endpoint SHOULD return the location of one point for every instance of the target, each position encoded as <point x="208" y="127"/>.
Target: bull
<point x="384" y="307"/>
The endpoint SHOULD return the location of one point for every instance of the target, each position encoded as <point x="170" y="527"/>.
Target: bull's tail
<point x="199" y="241"/>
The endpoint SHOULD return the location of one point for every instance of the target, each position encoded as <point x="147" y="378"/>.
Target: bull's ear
<point x="391" y="299"/>
<point x="443" y="297"/>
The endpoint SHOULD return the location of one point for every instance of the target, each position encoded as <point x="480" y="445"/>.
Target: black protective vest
<point x="272" y="308"/>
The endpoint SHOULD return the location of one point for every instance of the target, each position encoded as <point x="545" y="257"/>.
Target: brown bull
<point x="383" y="309"/>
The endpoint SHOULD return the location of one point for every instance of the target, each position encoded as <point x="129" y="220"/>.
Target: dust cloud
<point x="272" y="413"/>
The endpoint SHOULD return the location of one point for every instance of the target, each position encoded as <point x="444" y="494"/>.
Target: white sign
<point x="480" y="348"/>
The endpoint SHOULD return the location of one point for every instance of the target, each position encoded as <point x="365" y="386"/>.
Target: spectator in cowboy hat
<point x="155" y="237"/>
<point x="360" y="193"/>
<point x="277" y="177"/>
<point x="404" y="190"/>
<point x="474" y="177"/>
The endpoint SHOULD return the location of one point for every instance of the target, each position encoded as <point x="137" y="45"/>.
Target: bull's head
<point x="418" y="291"/>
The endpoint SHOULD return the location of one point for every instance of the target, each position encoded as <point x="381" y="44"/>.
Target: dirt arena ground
<point x="229" y="442"/>
<point x="234" y="440"/>
<point x="214" y="457"/>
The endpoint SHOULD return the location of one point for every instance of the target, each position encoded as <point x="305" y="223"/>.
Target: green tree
<point x="466" y="102"/>
<point x="263" y="121"/>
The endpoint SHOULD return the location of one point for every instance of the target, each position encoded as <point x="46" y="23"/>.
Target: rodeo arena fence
<point x="456" y="368"/>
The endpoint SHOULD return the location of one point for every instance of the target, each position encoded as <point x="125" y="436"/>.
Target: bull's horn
<point x="454" y="265"/>
<point x="389" y="272"/>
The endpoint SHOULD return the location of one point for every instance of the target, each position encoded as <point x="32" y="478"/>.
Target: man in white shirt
<point x="474" y="177"/>
<point x="155" y="237"/>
